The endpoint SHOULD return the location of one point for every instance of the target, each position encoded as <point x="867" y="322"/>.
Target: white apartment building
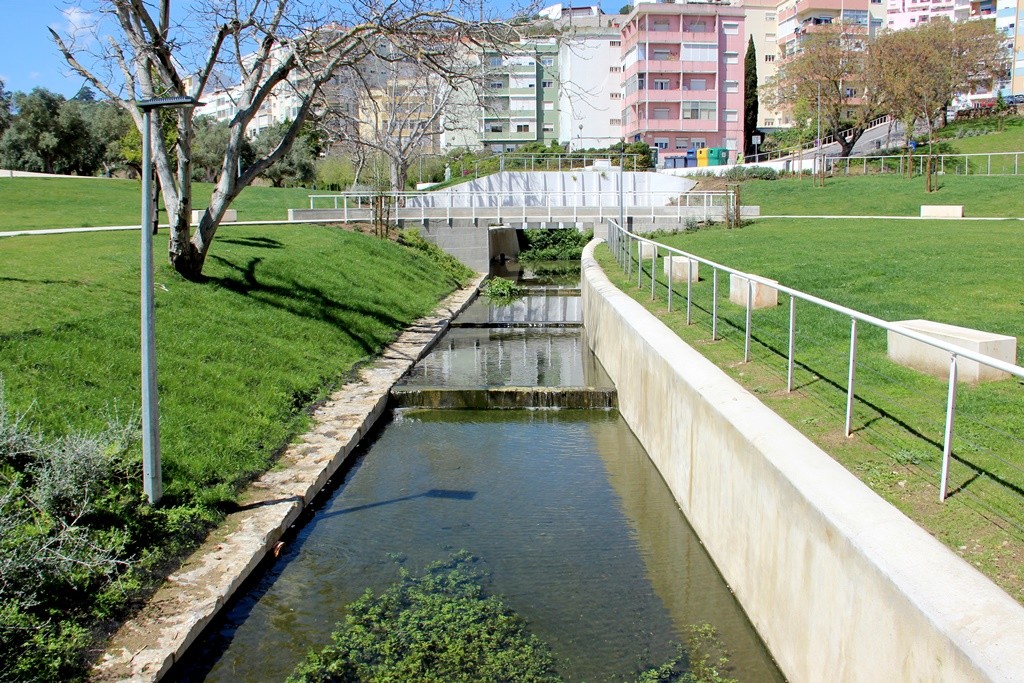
<point x="590" y="85"/>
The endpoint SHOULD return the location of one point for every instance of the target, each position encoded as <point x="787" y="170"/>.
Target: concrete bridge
<point x="462" y="220"/>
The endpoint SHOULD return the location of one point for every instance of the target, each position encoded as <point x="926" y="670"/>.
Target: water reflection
<point x="496" y="357"/>
<point x="544" y="498"/>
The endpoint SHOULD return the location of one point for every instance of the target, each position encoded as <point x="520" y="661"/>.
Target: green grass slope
<point x="39" y="203"/>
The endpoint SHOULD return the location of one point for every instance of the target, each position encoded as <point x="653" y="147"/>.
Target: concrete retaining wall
<point x="840" y="584"/>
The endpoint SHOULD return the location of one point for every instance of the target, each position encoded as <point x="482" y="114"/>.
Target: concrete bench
<point x="935" y="361"/>
<point x="764" y="296"/>
<point x="647" y="250"/>
<point x="942" y="211"/>
<point x="682" y="268"/>
<point x="230" y="216"/>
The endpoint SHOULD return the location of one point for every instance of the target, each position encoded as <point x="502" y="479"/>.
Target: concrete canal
<point x="573" y="525"/>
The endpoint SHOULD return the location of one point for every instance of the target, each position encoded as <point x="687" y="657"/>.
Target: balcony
<point x="490" y="136"/>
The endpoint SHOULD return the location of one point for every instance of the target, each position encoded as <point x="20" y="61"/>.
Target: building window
<point x="700" y="52"/>
<point x="615" y="95"/>
<point x="495" y="61"/>
<point x="850" y="92"/>
<point x="547" y="61"/>
<point x="615" y="69"/>
<point x="699" y="143"/>
<point x="730" y="28"/>
<point x="661" y="143"/>
<point x="549" y="128"/>
<point x="769" y="58"/>
<point x="704" y="111"/>
<point x="730" y="143"/>
<point x="770" y="16"/>
<point x="661" y="113"/>
<point x="614" y="43"/>
<point x="697" y="27"/>
<point x="523" y="128"/>
<point x="769" y="38"/>
<point x="549" y="106"/>
<point x="547" y="84"/>
<point x="682" y="143"/>
<point x="732" y="86"/>
<point x="496" y="85"/>
<point x="661" y="84"/>
<point x="614" y="122"/>
<point x="660" y="25"/>
<point x="698" y="84"/>
<point x="495" y="128"/>
<point x="661" y="54"/>
<point x="731" y="116"/>
<point x="732" y="57"/>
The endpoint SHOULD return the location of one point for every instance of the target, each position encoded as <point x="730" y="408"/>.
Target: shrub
<point x="554" y="245"/>
<point x="502" y="291"/>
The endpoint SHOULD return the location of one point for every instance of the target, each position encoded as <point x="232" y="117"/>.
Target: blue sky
<point x="28" y="57"/>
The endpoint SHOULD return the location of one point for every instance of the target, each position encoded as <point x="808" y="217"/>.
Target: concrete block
<point x="942" y="211"/>
<point x="230" y="216"/>
<point x="647" y="250"/>
<point x="682" y="268"/>
<point x="764" y="296"/>
<point x="935" y="361"/>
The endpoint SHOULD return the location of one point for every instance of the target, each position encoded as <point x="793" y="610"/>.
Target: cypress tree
<point x="750" y="104"/>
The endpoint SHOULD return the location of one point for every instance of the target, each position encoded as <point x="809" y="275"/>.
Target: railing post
<point x="639" y="264"/>
<point x="671" y="261"/>
<point x="689" y="288"/>
<point x="947" y="442"/>
<point x="990" y="164"/>
<point x="792" y="343"/>
<point x="654" y="265"/>
<point x="851" y="376"/>
<point x="746" y="334"/>
<point x="714" y="304"/>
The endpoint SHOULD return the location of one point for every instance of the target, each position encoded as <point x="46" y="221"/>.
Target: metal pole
<point x="151" y="476"/>
<point x="689" y="288"/>
<point x="792" y="342"/>
<point x="639" y="264"/>
<point x="947" y="443"/>
<point x="654" y="265"/>
<point x="746" y="337"/>
<point x="714" y="304"/>
<point x="671" y="259"/>
<point x="850" y="376"/>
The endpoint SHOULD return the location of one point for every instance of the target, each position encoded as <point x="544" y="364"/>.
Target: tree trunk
<point x="399" y="174"/>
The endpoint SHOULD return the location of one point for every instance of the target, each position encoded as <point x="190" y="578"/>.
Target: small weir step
<point x="505" y="397"/>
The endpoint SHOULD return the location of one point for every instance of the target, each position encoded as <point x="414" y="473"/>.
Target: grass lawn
<point x="36" y="203"/>
<point x="284" y="314"/>
<point x="885" y="195"/>
<point x="995" y="136"/>
<point x="961" y="273"/>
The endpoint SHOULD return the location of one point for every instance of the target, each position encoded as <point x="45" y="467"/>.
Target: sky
<point x="28" y="57"/>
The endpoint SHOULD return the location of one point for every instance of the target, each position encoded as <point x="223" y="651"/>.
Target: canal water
<point x="572" y="524"/>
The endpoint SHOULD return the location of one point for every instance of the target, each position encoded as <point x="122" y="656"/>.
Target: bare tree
<point x="832" y="61"/>
<point x="271" y="47"/>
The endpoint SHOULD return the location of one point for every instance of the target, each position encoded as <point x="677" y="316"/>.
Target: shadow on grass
<point x="881" y="413"/>
<point x="304" y="301"/>
<point x="258" y="242"/>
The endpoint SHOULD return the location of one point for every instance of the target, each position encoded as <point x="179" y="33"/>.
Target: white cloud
<point x="78" y="23"/>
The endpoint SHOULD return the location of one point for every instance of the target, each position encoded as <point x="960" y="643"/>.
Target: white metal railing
<point x="984" y="163"/>
<point x="627" y="247"/>
<point x="527" y="205"/>
<point x="831" y="138"/>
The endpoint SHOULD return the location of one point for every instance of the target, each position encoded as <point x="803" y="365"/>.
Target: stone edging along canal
<point x="145" y="648"/>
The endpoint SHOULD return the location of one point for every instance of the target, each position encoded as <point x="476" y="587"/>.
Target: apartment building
<point x="683" y="76"/>
<point x="590" y="81"/>
<point x="520" y="96"/>
<point x="1010" y="20"/>
<point x="761" y="24"/>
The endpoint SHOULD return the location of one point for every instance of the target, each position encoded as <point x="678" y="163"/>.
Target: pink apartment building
<point x="683" y="76"/>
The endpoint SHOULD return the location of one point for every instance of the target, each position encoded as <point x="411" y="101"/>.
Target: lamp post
<point x="152" y="479"/>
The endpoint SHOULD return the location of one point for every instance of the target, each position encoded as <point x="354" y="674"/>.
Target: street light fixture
<point x="152" y="479"/>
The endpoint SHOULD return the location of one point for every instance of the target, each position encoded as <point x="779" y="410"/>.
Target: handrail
<point x="615" y="237"/>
